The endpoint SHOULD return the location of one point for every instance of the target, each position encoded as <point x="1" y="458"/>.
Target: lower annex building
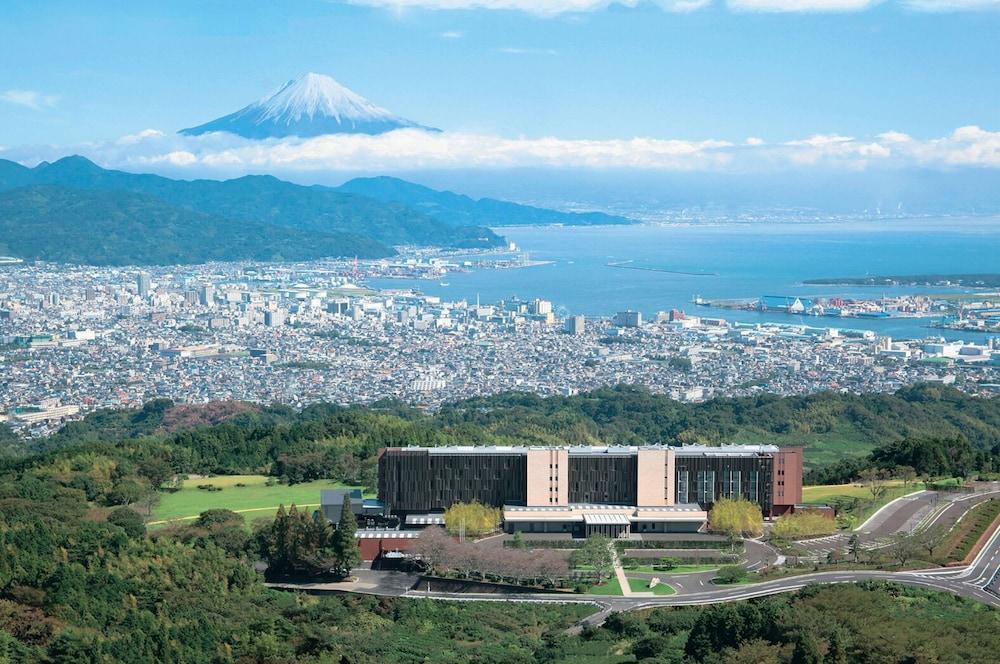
<point x="581" y="491"/>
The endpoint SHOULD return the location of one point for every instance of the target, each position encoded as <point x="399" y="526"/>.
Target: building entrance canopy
<point x="606" y="520"/>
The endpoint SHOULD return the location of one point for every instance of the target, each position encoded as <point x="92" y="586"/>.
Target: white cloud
<point x="131" y="139"/>
<point x="821" y="140"/>
<point x="224" y="155"/>
<point x="894" y="137"/>
<point x="451" y="34"/>
<point x="175" y="158"/>
<point x="29" y="99"/>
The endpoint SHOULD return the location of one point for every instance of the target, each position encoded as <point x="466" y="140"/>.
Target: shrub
<point x="736" y="518"/>
<point x="803" y="524"/>
<point x="128" y="520"/>
<point x="731" y="574"/>
<point x="475" y="518"/>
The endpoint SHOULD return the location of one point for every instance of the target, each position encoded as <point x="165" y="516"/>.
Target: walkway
<point x="620" y="572"/>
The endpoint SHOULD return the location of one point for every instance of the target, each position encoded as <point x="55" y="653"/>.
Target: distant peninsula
<point x="72" y="210"/>
<point x="968" y="280"/>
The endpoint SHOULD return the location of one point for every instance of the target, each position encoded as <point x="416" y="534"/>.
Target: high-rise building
<point x="206" y="295"/>
<point x="143" y="284"/>
<point x="274" y="318"/>
<point x="575" y="325"/>
<point x="628" y="319"/>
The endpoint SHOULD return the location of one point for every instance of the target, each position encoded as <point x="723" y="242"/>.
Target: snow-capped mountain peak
<point x="317" y="94"/>
<point x="311" y="105"/>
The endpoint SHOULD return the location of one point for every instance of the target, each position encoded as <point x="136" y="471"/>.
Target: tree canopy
<point x="736" y="517"/>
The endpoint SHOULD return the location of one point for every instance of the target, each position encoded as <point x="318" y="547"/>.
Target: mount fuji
<point x="312" y="105"/>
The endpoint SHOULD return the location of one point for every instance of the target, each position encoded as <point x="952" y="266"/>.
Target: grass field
<point x="611" y="587"/>
<point x="254" y="500"/>
<point x="680" y="569"/>
<point x="824" y="493"/>
<point x="642" y="586"/>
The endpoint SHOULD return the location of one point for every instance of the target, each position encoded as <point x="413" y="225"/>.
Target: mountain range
<point x="460" y="210"/>
<point x="53" y="212"/>
<point x="61" y="224"/>
<point x="311" y="105"/>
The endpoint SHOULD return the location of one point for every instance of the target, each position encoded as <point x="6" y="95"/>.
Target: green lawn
<point x="611" y="587"/>
<point x="254" y="500"/>
<point x="642" y="586"/>
<point x="680" y="569"/>
<point x="824" y="493"/>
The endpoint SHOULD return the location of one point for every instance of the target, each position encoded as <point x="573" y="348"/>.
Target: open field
<point x="255" y="499"/>
<point x="824" y="493"/>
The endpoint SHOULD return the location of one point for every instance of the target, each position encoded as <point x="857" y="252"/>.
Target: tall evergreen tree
<point x="345" y="545"/>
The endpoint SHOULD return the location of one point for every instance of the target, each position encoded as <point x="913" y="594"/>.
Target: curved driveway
<point x="979" y="580"/>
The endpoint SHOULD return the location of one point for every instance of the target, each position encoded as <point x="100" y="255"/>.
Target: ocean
<point x="730" y="261"/>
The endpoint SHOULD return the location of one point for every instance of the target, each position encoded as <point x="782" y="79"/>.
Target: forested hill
<point x="327" y="441"/>
<point x="82" y="581"/>
<point x="61" y="224"/>
<point x="261" y="199"/>
<point x="831" y="425"/>
<point x="459" y="210"/>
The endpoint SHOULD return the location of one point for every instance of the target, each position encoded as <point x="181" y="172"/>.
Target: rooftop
<point x="590" y="450"/>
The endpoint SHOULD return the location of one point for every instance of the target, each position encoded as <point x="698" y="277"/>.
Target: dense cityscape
<point x="76" y="339"/>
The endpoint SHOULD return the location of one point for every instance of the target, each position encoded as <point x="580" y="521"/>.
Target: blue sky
<point x="80" y="73"/>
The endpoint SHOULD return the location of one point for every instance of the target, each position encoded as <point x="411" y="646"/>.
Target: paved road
<point x="917" y="511"/>
<point x="972" y="582"/>
<point x="979" y="580"/>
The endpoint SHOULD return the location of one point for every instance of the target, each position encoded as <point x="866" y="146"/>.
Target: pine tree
<point x="345" y="545"/>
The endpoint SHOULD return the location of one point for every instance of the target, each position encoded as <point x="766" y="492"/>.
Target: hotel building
<point x="615" y="491"/>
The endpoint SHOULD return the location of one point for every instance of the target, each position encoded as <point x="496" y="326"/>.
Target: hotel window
<point x="754" y="478"/>
<point x="682" y="486"/>
<point x="706" y="486"/>
<point x="736" y="483"/>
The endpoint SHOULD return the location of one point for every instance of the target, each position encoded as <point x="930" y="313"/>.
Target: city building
<point x="142" y="284"/>
<point x="368" y="512"/>
<point x="615" y="491"/>
<point x="576" y="325"/>
<point x="628" y="319"/>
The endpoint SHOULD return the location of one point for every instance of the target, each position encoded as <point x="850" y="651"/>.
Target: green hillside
<point x="261" y="199"/>
<point x="458" y="210"/>
<point x="936" y="430"/>
<point x="54" y="223"/>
